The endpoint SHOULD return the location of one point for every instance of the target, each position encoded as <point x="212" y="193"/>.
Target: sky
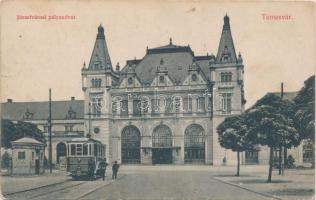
<point x="41" y="54"/>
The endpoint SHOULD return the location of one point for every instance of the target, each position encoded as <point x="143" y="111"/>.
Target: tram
<point x="84" y="156"/>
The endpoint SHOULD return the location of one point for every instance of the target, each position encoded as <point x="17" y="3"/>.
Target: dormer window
<point x="71" y="114"/>
<point x="161" y="79"/>
<point x="28" y="115"/>
<point x="130" y="81"/>
<point x="194" y="77"/>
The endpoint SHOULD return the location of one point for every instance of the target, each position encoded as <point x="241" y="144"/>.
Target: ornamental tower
<point x="97" y="80"/>
<point x="226" y="76"/>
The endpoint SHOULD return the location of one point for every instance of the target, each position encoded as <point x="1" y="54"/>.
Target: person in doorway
<point x="115" y="168"/>
<point x="103" y="166"/>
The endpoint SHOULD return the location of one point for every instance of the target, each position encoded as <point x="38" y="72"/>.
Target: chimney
<point x="9" y="100"/>
<point x="72" y="98"/>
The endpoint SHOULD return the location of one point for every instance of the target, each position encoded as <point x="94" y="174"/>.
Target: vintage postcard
<point x="157" y="99"/>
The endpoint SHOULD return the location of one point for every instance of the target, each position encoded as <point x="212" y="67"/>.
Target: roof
<point x="286" y="95"/>
<point x="100" y="58"/>
<point x="226" y="47"/>
<point x="40" y="110"/>
<point x="84" y="139"/>
<point x="27" y="140"/>
<point x="176" y="59"/>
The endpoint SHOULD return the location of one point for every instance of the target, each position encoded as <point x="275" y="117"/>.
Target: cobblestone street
<point x="168" y="182"/>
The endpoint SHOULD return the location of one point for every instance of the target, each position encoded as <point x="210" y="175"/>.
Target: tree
<point x="270" y="123"/>
<point x="14" y="131"/>
<point x="232" y="134"/>
<point x="305" y="111"/>
<point x="5" y="160"/>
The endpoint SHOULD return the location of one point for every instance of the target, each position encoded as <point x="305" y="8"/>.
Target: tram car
<point x="83" y="157"/>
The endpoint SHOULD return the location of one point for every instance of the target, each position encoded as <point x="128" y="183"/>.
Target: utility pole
<point x="50" y="131"/>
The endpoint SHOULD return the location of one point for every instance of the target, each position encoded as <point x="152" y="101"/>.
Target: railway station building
<point x="161" y="109"/>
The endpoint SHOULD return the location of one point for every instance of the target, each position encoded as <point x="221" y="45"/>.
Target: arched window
<point x="162" y="136"/>
<point x="194" y="144"/>
<point x="130" y="145"/>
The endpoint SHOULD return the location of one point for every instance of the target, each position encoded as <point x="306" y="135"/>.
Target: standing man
<point x="103" y="166"/>
<point x="115" y="168"/>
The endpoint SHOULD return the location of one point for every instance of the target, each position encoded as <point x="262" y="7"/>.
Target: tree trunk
<point x="285" y="156"/>
<point x="270" y="164"/>
<point x="238" y="163"/>
<point x="280" y="160"/>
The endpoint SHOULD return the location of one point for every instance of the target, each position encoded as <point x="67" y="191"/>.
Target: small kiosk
<point x="27" y="156"/>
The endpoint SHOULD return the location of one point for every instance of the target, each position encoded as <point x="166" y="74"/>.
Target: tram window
<point x="90" y="153"/>
<point x="85" y="149"/>
<point x="73" y="149"/>
<point x="95" y="149"/>
<point x="79" y="149"/>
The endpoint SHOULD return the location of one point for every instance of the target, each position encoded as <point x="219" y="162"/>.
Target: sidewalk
<point x="11" y="184"/>
<point x="295" y="184"/>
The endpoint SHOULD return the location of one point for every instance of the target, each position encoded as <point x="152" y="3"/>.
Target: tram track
<point x="48" y="191"/>
<point x="36" y="188"/>
<point x="44" y="190"/>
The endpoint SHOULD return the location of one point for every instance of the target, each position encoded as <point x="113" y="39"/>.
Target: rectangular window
<point x="21" y="155"/>
<point x="137" y="108"/>
<point x="69" y="128"/>
<point x="79" y="149"/>
<point x="201" y="104"/>
<point x="177" y="104"/>
<point x="85" y="149"/>
<point x="124" y="108"/>
<point x="226" y="77"/>
<point x="73" y="149"/>
<point x="226" y="103"/>
<point x="155" y="106"/>
<point x="32" y="155"/>
<point x="169" y="105"/>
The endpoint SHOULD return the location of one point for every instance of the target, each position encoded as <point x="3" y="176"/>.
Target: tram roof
<point x="84" y="140"/>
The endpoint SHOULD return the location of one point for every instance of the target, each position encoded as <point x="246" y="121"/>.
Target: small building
<point x="27" y="156"/>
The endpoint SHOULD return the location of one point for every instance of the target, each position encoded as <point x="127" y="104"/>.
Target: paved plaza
<point x="169" y="182"/>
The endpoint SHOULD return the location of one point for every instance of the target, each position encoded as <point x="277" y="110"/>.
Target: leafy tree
<point x="232" y="134"/>
<point x="14" y="131"/>
<point x="5" y="160"/>
<point x="305" y="111"/>
<point x="270" y="123"/>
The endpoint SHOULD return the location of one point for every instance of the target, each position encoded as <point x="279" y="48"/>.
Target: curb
<point x="236" y="185"/>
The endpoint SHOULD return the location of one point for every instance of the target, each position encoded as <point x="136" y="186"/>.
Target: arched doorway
<point x="162" y="145"/>
<point x="61" y="151"/>
<point x="130" y="145"/>
<point x="194" y="144"/>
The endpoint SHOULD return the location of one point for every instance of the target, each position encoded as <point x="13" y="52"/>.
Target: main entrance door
<point x="162" y="145"/>
<point x="130" y="145"/>
<point x="162" y="156"/>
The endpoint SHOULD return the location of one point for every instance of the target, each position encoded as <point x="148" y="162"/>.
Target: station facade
<point x="165" y="107"/>
<point x="161" y="109"/>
